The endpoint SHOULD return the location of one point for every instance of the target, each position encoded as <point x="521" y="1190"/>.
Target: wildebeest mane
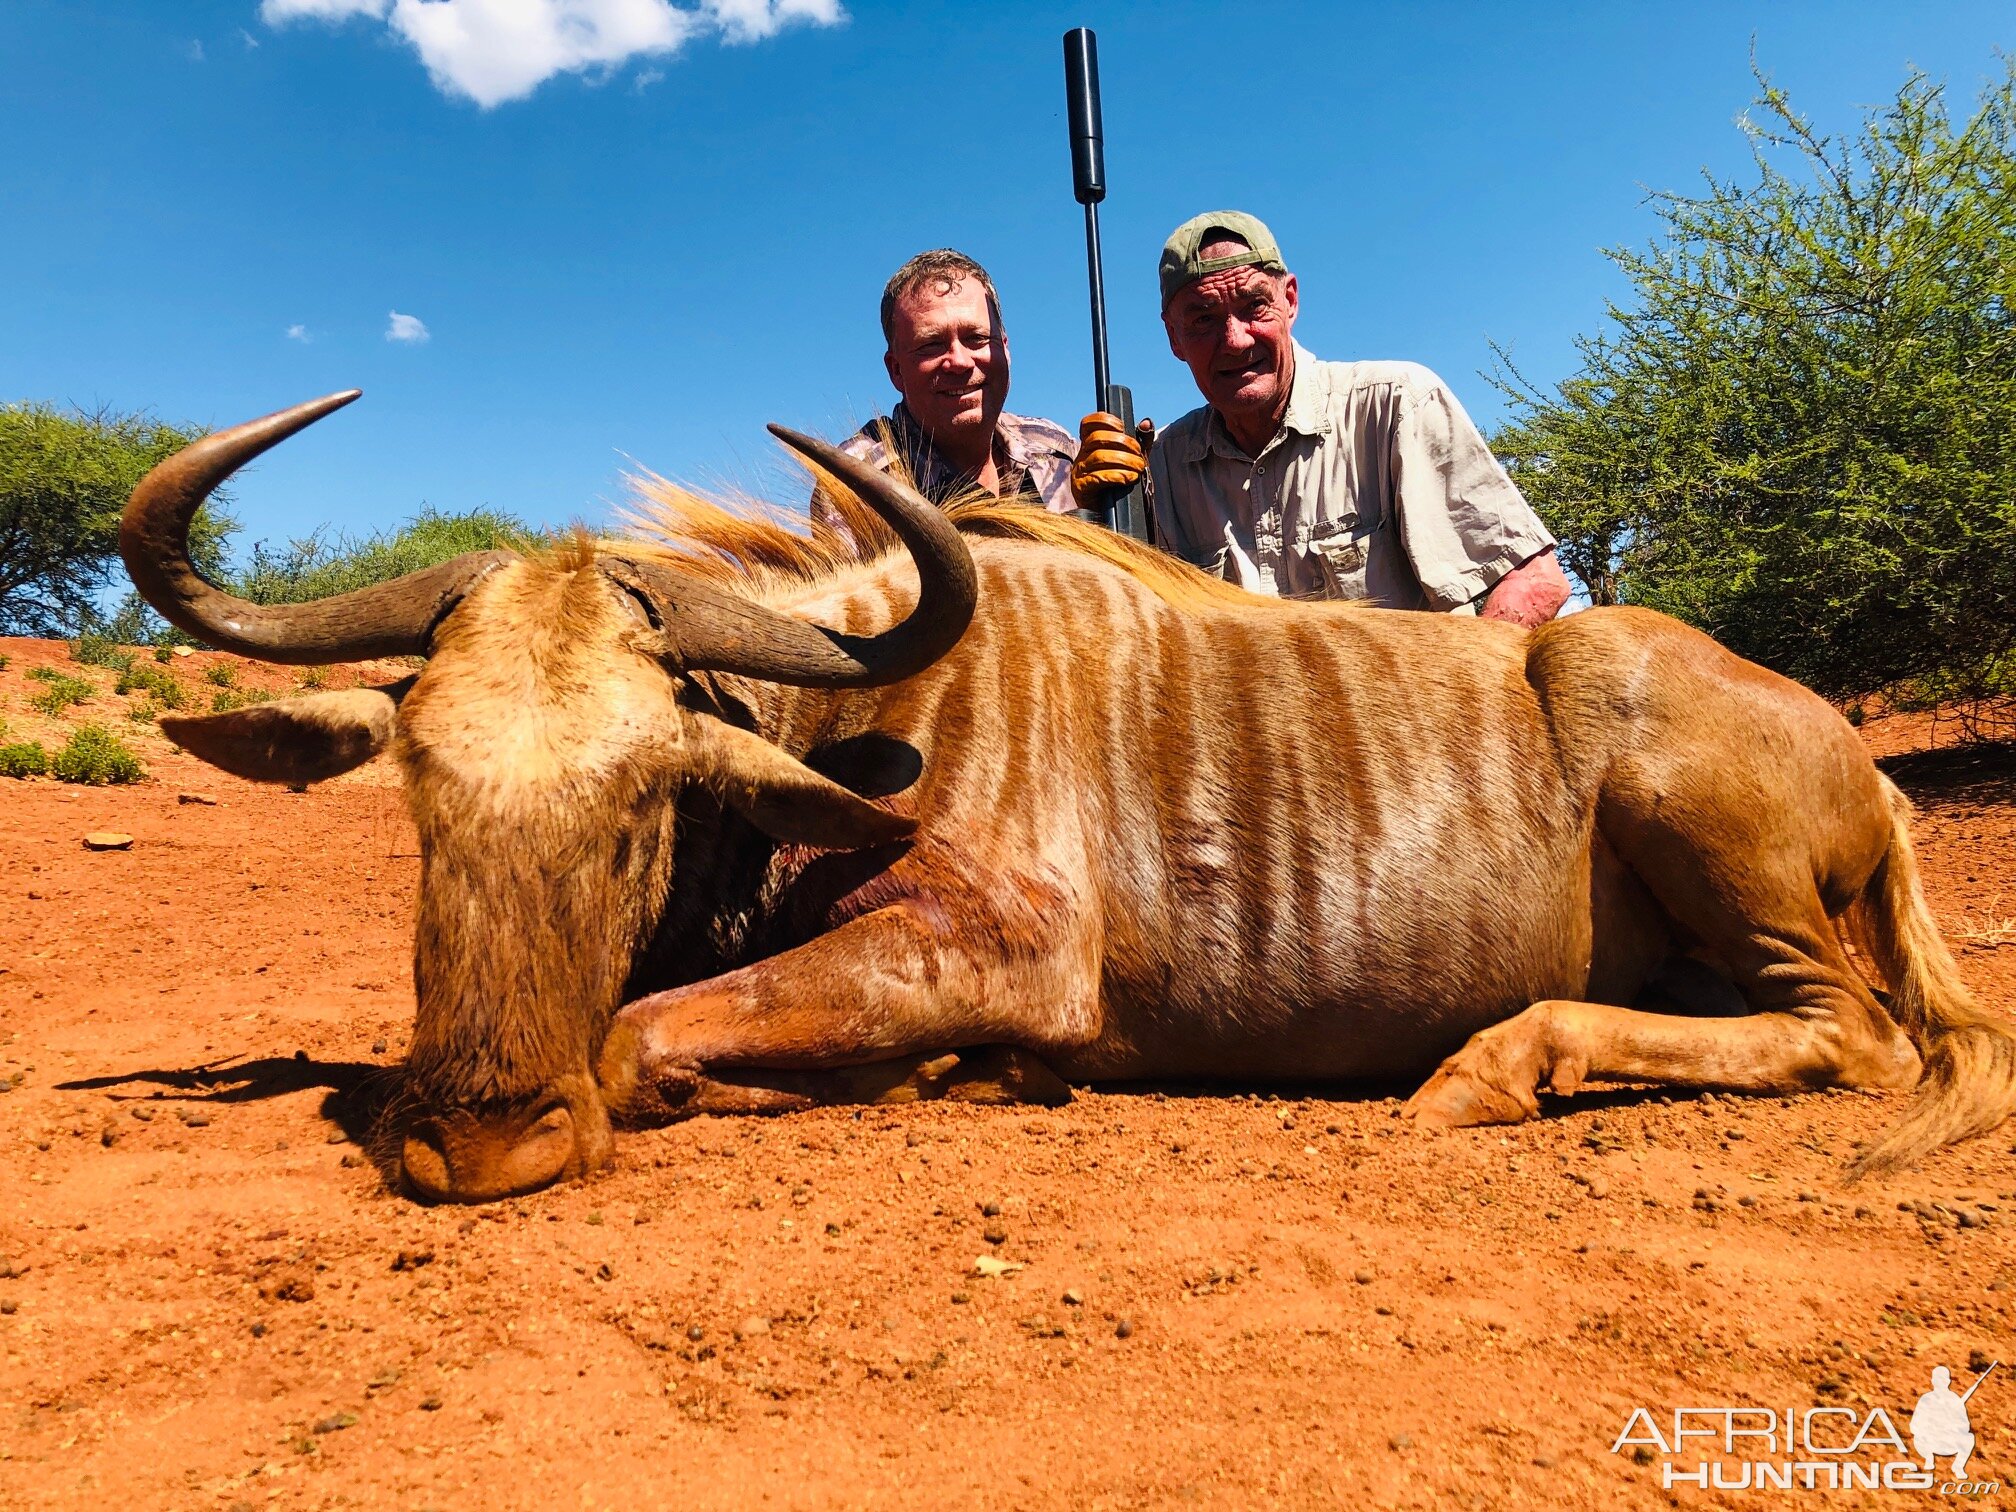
<point x="764" y="549"/>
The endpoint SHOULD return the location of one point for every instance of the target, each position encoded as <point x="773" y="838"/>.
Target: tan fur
<point x="1139" y="824"/>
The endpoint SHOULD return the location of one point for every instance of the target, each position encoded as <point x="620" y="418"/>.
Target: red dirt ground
<point x="208" y="1298"/>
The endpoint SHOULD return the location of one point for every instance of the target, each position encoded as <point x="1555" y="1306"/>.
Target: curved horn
<point x="714" y="629"/>
<point x="386" y="619"/>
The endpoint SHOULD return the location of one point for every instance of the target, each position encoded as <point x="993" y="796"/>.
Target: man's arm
<point x="1530" y="594"/>
<point x="1469" y="533"/>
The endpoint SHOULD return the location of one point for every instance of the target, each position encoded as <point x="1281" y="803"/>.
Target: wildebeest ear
<point x="783" y="797"/>
<point x="294" y="740"/>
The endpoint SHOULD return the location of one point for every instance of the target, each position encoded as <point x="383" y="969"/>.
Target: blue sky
<point x="650" y="255"/>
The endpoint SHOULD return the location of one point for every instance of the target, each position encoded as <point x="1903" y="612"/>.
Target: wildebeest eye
<point x="641" y="606"/>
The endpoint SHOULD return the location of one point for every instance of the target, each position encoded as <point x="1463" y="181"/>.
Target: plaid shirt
<point x="1034" y="457"/>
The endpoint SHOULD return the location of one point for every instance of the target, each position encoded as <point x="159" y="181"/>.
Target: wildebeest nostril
<point x="474" y="1160"/>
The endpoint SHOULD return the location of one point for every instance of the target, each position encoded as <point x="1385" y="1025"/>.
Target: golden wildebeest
<point x="1040" y="788"/>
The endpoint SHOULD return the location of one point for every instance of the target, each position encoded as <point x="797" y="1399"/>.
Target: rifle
<point x="1977" y="1382"/>
<point x="1125" y="512"/>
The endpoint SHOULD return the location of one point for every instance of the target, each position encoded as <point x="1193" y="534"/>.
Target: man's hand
<point x="1109" y="460"/>
<point x="1530" y="593"/>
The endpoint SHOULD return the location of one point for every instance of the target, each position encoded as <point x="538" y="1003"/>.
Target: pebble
<point x="8" y="1306"/>
<point x="377" y="1047"/>
<point x="990" y="1210"/>
<point x="752" y="1328"/>
<point x="1074" y="1298"/>
<point x="108" y="840"/>
<point x="145" y="1115"/>
<point x="1598" y="1188"/>
<point x="991" y="1265"/>
<point x="994" y="1233"/>
<point x="336" y="1422"/>
<point x="1363" y="1277"/>
<point x="203" y="798"/>
<point x="430" y="1404"/>
<point x="1400" y="1442"/>
<point x="695" y="1332"/>
<point x="1123" y="1329"/>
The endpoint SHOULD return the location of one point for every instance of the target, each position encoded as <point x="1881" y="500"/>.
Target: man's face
<point x="1232" y="330"/>
<point x="948" y="359"/>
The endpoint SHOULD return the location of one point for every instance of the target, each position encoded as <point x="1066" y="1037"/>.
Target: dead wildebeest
<point x="1123" y="818"/>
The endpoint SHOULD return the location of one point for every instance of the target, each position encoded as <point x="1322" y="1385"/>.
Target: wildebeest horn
<point x="386" y="619"/>
<point x="711" y="628"/>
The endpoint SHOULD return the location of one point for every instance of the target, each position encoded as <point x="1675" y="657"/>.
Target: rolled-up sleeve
<point x="1463" y="521"/>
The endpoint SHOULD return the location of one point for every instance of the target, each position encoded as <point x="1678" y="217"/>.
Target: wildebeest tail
<point x="1969" y="1082"/>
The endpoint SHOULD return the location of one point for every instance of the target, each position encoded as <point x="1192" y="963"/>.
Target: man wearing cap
<point x="947" y="355"/>
<point x="1310" y="479"/>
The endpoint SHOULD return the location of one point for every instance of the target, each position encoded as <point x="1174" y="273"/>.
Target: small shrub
<point x="164" y="654"/>
<point x="6" y="661"/>
<point x="167" y="692"/>
<point x="223" y="674"/>
<point x="96" y="756"/>
<point x="95" y="649"/>
<point x="62" y="691"/>
<point x="24" y="758"/>
<point x="227" y="699"/>
<point x="315" y="678"/>
<point x="143" y="712"/>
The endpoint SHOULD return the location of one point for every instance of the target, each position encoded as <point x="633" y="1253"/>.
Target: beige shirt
<point x="1377" y="486"/>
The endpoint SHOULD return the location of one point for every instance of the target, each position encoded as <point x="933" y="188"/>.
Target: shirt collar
<point x="1308" y="412"/>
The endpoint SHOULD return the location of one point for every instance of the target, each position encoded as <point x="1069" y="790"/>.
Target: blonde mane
<point x="763" y="548"/>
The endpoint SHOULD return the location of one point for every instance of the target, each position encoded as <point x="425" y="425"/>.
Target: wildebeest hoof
<point x="1457" y="1099"/>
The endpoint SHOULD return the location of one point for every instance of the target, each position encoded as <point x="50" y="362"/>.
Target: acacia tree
<point x="1799" y="431"/>
<point x="64" y="477"/>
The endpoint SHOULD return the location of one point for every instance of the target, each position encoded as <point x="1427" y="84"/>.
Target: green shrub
<point x="315" y="678"/>
<point x="167" y="692"/>
<point x="24" y="758"/>
<point x="96" y="649"/>
<point x="223" y="674"/>
<point x="62" y="691"/>
<point x="143" y="712"/>
<point x="318" y="566"/>
<point x="6" y="661"/>
<point x="227" y="699"/>
<point x="164" y="654"/>
<point x="96" y="756"/>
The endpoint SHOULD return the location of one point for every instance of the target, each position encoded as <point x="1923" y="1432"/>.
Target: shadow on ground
<point x="358" y="1090"/>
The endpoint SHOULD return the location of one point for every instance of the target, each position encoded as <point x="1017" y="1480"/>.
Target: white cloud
<point x="492" y="51"/>
<point x="273" y="12"/>
<point x="408" y="328"/>
<point x="755" y="20"/>
<point x="250" y="40"/>
<point x="194" y="52"/>
<point x="299" y="333"/>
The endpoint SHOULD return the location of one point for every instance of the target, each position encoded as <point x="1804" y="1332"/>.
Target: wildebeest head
<point x="545" y="745"/>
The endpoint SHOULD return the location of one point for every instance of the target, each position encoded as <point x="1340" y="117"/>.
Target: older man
<point x="947" y="355"/>
<point x="1311" y="479"/>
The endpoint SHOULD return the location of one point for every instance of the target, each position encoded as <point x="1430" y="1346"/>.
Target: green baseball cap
<point x="1182" y="265"/>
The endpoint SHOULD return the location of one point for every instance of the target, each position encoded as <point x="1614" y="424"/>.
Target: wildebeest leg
<point x="987" y="1074"/>
<point x="1740" y="876"/>
<point x="1559" y="1045"/>
<point x="917" y="978"/>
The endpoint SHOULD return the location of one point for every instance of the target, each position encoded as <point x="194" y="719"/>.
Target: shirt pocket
<point x="1344" y="550"/>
